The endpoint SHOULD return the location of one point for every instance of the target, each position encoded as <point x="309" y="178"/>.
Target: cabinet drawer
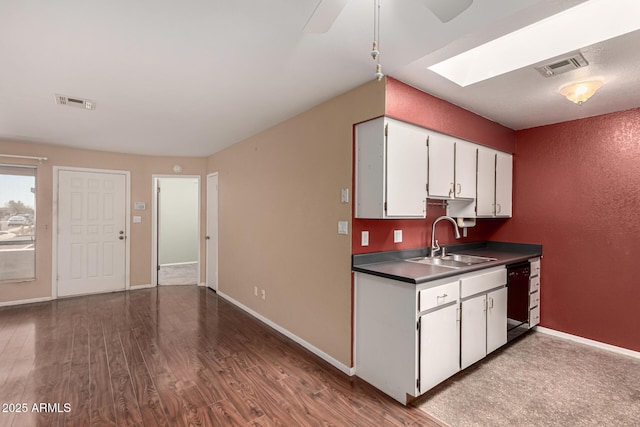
<point x="535" y="268"/>
<point x="534" y="316"/>
<point x="534" y="284"/>
<point x="482" y="282"/>
<point x="534" y="299"/>
<point x="438" y="295"/>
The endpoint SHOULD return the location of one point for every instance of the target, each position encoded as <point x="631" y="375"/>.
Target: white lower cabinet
<point x="439" y="346"/>
<point x="484" y="315"/>
<point x="409" y="338"/>
<point x="474" y="331"/>
<point x="496" y="319"/>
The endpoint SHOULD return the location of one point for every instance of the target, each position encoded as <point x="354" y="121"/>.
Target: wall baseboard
<point x="586" y="341"/>
<point x="321" y="354"/>
<point x="25" y="301"/>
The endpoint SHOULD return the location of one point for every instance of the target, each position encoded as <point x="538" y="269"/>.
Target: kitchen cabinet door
<point x="486" y="195"/>
<point x="473" y="331"/>
<point x="504" y="184"/>
<point x="496" y="319"/>
<point x="406" y="171"/>
<point x="465" y="170"/>
<point x="441" y="165"/>
<point x="439" y="346"/>
<point x="391" y="170"/>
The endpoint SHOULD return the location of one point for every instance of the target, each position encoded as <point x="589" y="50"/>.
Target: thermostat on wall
<point x="139" y="206"/>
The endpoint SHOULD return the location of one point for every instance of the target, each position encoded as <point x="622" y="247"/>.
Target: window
<point x="17" y="222"/>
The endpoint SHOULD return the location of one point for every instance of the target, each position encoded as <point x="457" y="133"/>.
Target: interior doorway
<point x="176" y="230"/>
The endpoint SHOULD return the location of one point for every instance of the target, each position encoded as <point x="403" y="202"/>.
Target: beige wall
<point x="279" y="195"/>
<point x="141" y="167"/>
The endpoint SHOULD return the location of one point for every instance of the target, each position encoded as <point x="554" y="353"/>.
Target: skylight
<point x="584" y="25"/>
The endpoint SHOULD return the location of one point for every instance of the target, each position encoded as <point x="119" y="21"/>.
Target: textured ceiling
<point x="191" y="78"/>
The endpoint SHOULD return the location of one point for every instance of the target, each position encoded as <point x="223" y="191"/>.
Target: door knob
<point x="207" y="238"/>
<point x="121" y="237"/>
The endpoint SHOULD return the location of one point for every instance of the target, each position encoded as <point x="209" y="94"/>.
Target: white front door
<point x="212" y="231"/>
<point x="91" y="232"/>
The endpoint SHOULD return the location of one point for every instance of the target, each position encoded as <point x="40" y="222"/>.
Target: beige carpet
<point x="540" y="380"/>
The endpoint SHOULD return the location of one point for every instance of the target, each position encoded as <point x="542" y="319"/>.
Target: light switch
<point x="364" y="239"/>
<point x="344" y="195"/>
<point x="137" y="219"/>
<point x="343" y="227"/>
<point x="397" y="236"/>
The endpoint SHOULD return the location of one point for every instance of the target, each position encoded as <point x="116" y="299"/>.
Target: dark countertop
<point x="393" y="265"/>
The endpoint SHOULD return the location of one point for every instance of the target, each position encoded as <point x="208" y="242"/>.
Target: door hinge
<point x="158" y="190"/>
<point x="427" y="141"/>
<point x="418" y="383"/>
<point x="419" y="324"/>
<point x="427" y="187"/>
<point x="158" y="268"/>
<point x="385" y="206"/>
<point x="386" y="130"/>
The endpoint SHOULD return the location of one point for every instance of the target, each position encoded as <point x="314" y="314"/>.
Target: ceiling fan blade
<point x="324" y="16"/>
<point x="446" y="10"/>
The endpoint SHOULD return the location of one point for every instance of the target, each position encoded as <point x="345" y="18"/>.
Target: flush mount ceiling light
<point x="584" y="25"/>
<point x="580" y="92"/>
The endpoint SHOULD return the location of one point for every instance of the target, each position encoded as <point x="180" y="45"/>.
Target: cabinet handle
<point x="499" y="207"/>
<point x="459" y="188"/>
<point x="490" y="301"/>
<point x="451" y="190"/>
<point x="438" y="297"/>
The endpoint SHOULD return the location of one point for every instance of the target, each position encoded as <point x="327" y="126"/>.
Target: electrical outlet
<point x="264" y="294"/>
<point x="365" y="239"/>
<point x="255" y="291"/>
<point x="397" y="236"/>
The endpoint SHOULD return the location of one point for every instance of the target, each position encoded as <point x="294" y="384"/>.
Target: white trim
<point x="54" y="222"/>
<point x="135" y="288"/>
<point x="315" y="350"/>
<point x="206" y="256"/>
<point x="154" y="222"/>
<point x="202" y="284"/>
<point x="24" y="301"/>
<point x="592" y="343"/>
<point x="178" y="263"/>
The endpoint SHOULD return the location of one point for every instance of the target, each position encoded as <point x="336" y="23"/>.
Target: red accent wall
<point x="411" y="105"/>
<point x="577" y="192"/>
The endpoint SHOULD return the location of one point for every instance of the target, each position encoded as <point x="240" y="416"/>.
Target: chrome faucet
<point x="435" y="247"/>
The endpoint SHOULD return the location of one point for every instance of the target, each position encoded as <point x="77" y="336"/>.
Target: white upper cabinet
<point x="398" y="166"/>
<point x="441" y="165"/>
<point x="465" y="170"/>
<point x="452" y="167"/>
<point x="391" y="170"/>
<point x="495" y="182"/>
<point x="486" y="195"/>
<point x="504" y="184"/>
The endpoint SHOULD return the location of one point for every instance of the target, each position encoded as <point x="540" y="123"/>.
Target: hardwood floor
<point x="172" y="356"/>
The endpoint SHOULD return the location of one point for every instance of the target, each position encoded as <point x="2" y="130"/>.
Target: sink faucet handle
<point x="444" y="248"/>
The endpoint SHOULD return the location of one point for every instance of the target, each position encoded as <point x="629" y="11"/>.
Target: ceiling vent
<point x="563" y="65"/>
<point x="69" y="101"/>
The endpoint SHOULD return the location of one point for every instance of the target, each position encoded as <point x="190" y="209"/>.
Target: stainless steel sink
<point x="453" y="260"/>
<point x="469" y="259"/>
